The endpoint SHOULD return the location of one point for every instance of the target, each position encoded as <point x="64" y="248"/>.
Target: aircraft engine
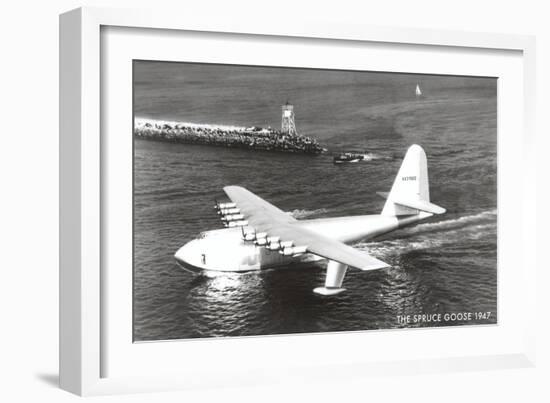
<point x="299" y="250"/>
<point x="227" y="211"/>
<point x="248" y="236"/>
<point x="239" y="223"/>
<point x="288" y="251"/>
<point x="221" y="206"/>
<point x="273" y="243"/>
<point x="293" y="251"/>
<point x="271" y="239"/>
<point x="261" y="239"/>
<point x="286" y="244"/>
<point x="274" y="246"/>
<point x="232" y="217"/>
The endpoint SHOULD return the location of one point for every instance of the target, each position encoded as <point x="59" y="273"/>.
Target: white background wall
<point x="29" y="197"/>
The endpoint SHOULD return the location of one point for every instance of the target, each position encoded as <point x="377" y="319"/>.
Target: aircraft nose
<point x="184" y="253"/>
<point x="188" y="256"/>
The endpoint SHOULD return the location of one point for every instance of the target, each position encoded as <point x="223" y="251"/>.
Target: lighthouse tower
<point x="287" y="121"/>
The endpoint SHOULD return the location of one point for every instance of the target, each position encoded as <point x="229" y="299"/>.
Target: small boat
<point x="418" y="92"/>
<point x="348" y="157"/>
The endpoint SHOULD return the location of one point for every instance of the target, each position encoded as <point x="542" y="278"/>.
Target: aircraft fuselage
<point x="225" y="249"/>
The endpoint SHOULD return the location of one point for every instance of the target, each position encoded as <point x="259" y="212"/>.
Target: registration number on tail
<point x="408" y="178"/>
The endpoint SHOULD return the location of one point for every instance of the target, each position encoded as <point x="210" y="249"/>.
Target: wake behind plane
<point x="260" y="236"/>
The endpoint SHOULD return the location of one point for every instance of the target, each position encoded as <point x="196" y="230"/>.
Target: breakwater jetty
<point x="256" y="138"/>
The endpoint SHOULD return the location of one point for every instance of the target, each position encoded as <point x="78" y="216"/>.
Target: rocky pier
<point x="255" y="138"/>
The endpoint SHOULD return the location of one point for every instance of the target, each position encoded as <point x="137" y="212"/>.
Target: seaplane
<point x="259" y="236"/>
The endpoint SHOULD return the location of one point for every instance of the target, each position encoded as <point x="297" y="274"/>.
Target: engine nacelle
<point x="239" y="223"/>
<point x="233" y="210"/>
<point x="288" y="251"/>
<point x="286" y="248"/>
<point x="233" y="217"/>
<point x="286" y="244"/>
<point x="261" y="238"/>
<point x="227" y="211"/>
<point x="292" y="251"/>
<point x="274" y="239"/>
<point x="273" y="243"/>
<point x="299" y="250"/>
<point x="274" y="246"/>
<point x="249" y="236"/>
<point x="221" y="206"/>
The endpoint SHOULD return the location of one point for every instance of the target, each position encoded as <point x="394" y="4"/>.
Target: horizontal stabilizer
<point x="383" y="195"/>
<point x="421" y="205"/>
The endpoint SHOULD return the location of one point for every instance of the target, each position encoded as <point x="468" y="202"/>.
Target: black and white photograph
<point x="276" y="200"/>
<point x="273" y="202"/>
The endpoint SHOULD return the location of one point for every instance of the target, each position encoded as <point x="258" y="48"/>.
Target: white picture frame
<point x="83" y="307"/>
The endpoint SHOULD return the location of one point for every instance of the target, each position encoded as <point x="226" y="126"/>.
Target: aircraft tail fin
<point x="410" y="192"/>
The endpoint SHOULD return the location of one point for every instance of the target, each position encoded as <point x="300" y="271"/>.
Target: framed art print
<point x="204" y="133"/>
<point x="287" y="199"/>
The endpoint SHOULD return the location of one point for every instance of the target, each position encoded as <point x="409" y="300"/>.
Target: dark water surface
<point x="446" y="264"/>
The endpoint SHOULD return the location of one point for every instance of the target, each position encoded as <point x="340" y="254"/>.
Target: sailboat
<point x="417" y="91"/>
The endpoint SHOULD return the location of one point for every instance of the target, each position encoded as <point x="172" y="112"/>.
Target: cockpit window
<point x="202" y="235"/>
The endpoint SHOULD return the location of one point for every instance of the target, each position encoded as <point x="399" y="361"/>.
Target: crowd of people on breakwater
<point x="229" y="136"/>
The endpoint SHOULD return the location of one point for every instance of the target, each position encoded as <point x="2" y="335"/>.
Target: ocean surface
<point x="447" y="264"/>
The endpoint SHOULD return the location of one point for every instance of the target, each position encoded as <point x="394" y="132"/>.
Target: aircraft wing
<point x="265" y="217"/>
<point x="329" y="248"/>
<point x="256" y="210"/>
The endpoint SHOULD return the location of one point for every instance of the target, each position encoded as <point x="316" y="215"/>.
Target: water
<point x="444" y="265"/>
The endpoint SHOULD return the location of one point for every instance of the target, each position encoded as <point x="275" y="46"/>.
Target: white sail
<point x="418" y="92"/>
